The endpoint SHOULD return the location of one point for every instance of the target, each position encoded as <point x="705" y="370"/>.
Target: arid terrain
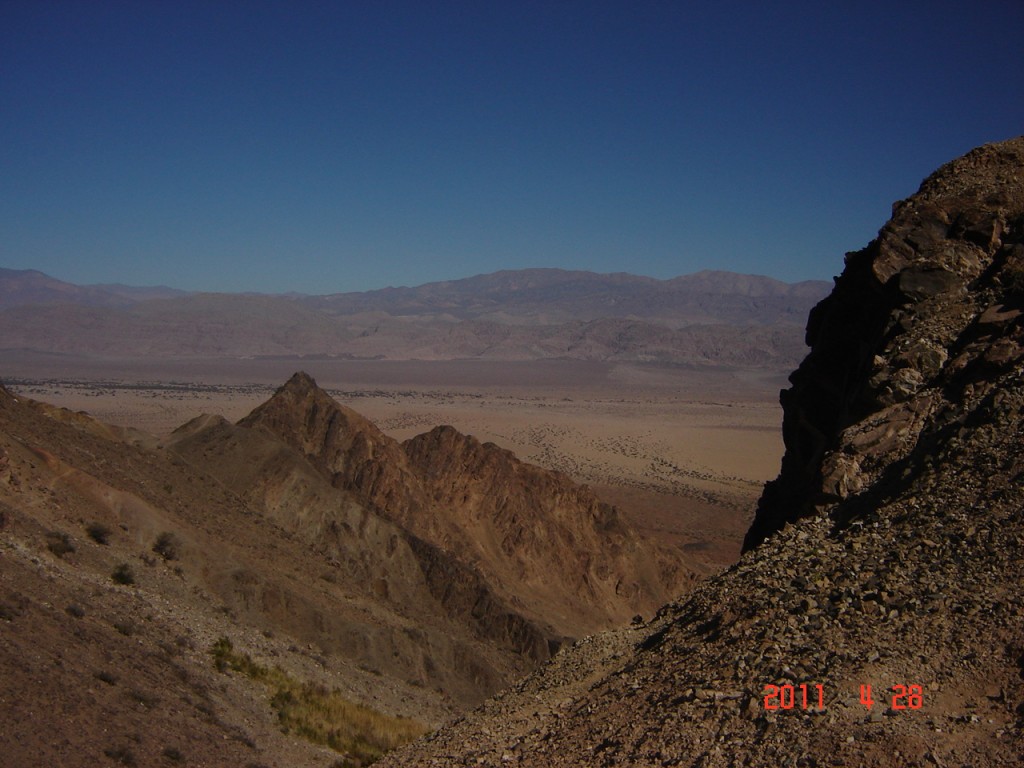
<point x="573" y="451"/>
<point x="543" y="560"/>
<point x="679" y="452"/>
<point x="682" y="451"/>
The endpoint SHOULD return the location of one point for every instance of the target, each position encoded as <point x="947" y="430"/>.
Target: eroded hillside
<point x="179" y="600"/>
<point x="543" y="543"/>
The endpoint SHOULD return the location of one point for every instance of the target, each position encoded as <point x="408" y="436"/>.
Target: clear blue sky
<point x="334" y="146"/>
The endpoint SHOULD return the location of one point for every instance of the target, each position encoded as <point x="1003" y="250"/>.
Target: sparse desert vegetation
<point x="99" y="533"/>
<point x="59" y="543"/>
<point x="123" y="574"/>
<point x="320" y="715"/>
<point x="167" y="545"/>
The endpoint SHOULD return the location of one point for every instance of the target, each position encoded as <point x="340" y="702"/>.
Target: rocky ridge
<point x="101" y="670"/>
<point x="546" y="546"/>
<point x="126" y="561"/>
<point x="920" y="328"/>
<point x="888" y="553"/>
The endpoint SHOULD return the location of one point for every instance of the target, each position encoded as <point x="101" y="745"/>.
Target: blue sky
<point x="334" y="146"/>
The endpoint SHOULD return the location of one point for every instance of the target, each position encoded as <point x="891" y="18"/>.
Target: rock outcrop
<point x="877" y="617"/>
<point x="918" y="330"/>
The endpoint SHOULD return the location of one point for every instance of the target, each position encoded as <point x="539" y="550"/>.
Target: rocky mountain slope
<point x="546" y="545"/>
<point x="131" y="569"/>
<point x="877" y="617"/>
<point x="121" y="566"/>
<point x="709" y="318"/>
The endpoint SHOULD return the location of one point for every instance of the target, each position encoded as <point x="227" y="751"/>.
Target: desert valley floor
<point x="682" y="451"/>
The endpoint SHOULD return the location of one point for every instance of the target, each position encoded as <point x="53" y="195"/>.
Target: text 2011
<point x="790" y="696"/>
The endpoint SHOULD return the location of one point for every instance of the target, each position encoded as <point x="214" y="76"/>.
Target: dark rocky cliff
<point x="919" y="327"/>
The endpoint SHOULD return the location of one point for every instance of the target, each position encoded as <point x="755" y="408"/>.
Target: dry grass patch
<point x="320" y="715"/>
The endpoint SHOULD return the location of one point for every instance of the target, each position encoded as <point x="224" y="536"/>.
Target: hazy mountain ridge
<point x="551" y="296"/>
<point x="887" y="554"/>
<point x="27" y="287"/>
<point x="710" y="317"/>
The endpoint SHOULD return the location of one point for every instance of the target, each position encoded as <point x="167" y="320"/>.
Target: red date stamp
<point x="790" y="696"/>
<point x="812" y="696"/>
<point x="904" y="697"/>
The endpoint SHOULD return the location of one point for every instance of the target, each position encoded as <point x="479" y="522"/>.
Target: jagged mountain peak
<point x="300" y="381"/>
<point x="446" y="440"/>
<point x="533" y="533"/>
<point x="302" y="412"/>
<point x="198" y="424"/>
<point x="300" y="389"/>
<point x="346" y="447"/>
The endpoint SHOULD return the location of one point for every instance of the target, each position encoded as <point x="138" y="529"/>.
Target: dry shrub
<point x="321" y="715"/>
<point x="59" y="544"/>
<point x="167" y="546"/>
<point x="123" y="574"/>
<point x="99" y="533"/>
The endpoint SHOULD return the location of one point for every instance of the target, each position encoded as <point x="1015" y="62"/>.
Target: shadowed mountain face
<point x="917" y="333"/>
<point x="878" y="616"/>
<point x="709" y="318"/>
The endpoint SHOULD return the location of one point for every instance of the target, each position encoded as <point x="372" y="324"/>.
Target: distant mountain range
<point x="707" y="317"/>
<point x="28" y="287"/>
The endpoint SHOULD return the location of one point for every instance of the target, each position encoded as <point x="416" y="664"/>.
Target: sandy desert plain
<point x="681" y="450"/>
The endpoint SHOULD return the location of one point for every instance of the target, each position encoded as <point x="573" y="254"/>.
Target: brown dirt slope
<point x="101" y="670"/>
<point x="889" y="552"/>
